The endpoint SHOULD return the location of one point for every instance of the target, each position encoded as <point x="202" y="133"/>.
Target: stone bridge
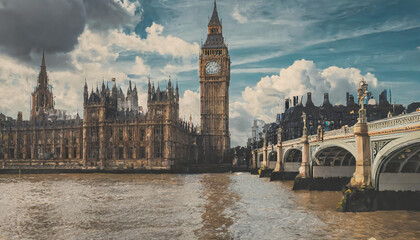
<point x="384" y="154"/>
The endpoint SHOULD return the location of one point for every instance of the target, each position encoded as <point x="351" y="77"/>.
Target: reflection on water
<point x="207" y="206"/>
<point x="216" y="220"/>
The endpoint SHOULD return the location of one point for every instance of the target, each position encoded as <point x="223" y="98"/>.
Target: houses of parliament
<point x="115" y="134"/>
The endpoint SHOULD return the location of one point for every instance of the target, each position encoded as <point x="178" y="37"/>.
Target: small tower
<point x="42" y="97"/>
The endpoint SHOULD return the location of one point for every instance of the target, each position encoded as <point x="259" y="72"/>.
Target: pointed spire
<point x="43" y="59"/>
<point x="177" y="91"/>
<point x="214" y="20"/>
<point x="85" y="93"/>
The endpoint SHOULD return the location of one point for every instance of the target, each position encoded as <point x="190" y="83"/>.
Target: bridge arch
<point x="293" y="155"/>
<point x="272" y="156"/>
<point x="292" y="160"/>
<point x="335" y="155"/>
<point x="272" y="159"/>
<point x="347" y="146"/>
<point x="333" y="161"/>
<point x="397" y="165"/>
<point x="260" y="159"/>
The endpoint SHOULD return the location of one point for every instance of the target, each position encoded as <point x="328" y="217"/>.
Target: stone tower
<point x="96" y="107"/>
<point x="214" y="71"/>
<point x="163" y="115"/>
<point x="42" y="97"/>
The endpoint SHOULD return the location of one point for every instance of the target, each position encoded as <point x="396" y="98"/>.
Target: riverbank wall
<point x="187" y="169"/>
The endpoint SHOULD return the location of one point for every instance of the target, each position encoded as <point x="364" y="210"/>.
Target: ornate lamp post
<point x="362" y="175"/>
<point x="361" y="94"/>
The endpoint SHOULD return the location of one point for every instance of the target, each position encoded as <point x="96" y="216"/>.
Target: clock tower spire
<point x="214" y="72"/>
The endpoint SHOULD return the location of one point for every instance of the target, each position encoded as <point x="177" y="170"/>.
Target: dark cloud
<point x="106" y="14"/>
<point x="54" y="25"/>
<point x="34" y="25"/>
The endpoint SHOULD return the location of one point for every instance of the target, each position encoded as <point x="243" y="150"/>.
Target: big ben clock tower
<point x="214" y="71"/>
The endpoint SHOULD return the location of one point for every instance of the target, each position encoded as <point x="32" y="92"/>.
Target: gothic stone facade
<point x="113" y="133"/>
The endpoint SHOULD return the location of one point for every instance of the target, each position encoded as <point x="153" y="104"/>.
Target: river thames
<point x="202" y="206"/>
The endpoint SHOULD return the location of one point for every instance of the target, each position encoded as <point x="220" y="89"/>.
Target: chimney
<point x="347" y="98"/>
<point x="295" y="101"/>
<point x="309" y="102"/>
<point x="286" y="104"/>
<point x="19" y="116"/>
<point x="326" y="100"/>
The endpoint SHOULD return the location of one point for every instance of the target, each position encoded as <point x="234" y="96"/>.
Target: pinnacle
<point x="43" y="59"/>
<point x="214" y="20"/>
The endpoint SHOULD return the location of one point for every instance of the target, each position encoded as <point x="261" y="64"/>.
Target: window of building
<point x="120" y="134"/>
<point x="120" y="153"/>
<point x="130" y="134"/>
<point x="130" y="153"/>
<point x="158" y="150"/>
<point x="142" y="152"/>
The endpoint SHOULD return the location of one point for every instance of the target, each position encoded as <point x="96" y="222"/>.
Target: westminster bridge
<point x="383" y="155"/>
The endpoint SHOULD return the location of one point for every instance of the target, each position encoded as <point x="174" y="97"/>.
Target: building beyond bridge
<point x="328" y="116"/>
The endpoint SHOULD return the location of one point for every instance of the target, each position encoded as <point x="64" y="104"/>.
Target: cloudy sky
<point x="278" y="48"/>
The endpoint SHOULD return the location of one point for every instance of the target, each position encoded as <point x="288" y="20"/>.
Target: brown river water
<point x="202" y="206"/>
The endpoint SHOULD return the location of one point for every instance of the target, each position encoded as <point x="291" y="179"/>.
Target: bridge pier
<point x="264" y="171"/>
<point x="362" y="175"/>
<point x="265" y="155"/>
<point x="278" y="173"/>
<point x="360" y="194"/>
<point x="303" y="179"/>
<point x="254" y="164"/>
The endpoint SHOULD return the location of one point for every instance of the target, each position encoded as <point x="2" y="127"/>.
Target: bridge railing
<point x="291" y="142"/>
<point x="400" y="121"/>
<point x="346" y="131"/>
<point x="342" y="132"/>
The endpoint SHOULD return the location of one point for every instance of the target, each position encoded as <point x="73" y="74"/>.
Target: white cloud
<point x="265" y="99"/>
<point x="255" y="70"/>
<point x="172" y="69"/>
<point x="140" y="68"/>
<point x="189" y="104"/>
<point x="418" y="47"/>
<point x="16" y="82"/>
<point x="155" y="42"/>
<point x="238" y="16"/>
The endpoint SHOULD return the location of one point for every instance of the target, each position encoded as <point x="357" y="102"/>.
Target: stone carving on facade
<point x="320" y="133"/>
<point x="377" y="146"/>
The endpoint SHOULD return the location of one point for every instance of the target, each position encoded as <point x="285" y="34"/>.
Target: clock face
<point x="212" y="68"/>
